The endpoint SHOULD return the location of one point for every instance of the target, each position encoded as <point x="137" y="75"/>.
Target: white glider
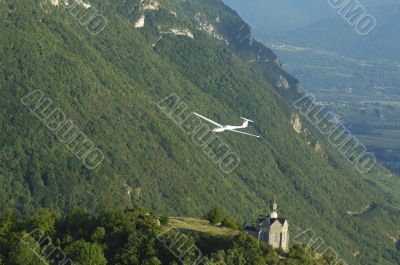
<point x="230" y="128"/>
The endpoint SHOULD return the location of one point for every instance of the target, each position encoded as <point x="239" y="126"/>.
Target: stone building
<point x="271" y="229"/>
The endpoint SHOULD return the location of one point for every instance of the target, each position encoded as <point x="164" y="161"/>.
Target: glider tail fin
<point x="246" y="119"/>
<point x="246" y="122"/>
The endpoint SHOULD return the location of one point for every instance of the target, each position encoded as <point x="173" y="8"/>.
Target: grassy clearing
<point x="199" y="225"/>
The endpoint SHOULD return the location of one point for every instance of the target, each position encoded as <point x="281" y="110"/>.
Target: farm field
<point x="383" y="138"/>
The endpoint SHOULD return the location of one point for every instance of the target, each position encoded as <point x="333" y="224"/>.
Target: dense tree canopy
<point x="126" y="238"/>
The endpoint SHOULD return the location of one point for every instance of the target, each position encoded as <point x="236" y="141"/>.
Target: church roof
<point x="262" y="218"/>
<point x="280" y="220"/>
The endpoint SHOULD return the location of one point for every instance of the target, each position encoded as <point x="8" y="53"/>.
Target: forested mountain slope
<point x="110" y="85"/>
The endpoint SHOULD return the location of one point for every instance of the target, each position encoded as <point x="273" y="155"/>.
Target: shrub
<point x="230" y="222"/>
<point x="164" y="220"/>
<point x="214" y="216"/>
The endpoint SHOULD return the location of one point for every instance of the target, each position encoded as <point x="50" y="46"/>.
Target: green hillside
<point x="110" y="85"/>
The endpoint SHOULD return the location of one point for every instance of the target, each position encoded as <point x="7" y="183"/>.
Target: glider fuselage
<point x="230" y="127"/>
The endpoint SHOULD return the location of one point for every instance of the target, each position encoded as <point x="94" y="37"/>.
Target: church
<point x="270" y="229"/>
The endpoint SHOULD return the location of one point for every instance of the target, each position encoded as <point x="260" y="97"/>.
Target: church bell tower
<point x="274" y="210"/>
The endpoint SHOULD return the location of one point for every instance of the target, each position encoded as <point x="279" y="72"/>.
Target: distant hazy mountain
<point x="337" y="35"/>
<point x="280" y="15"/>
<point x="268" y="16"/>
